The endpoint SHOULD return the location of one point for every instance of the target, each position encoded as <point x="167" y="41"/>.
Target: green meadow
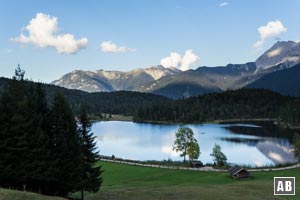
<point x="132" y="182"/>
<point x="142" y="183"/>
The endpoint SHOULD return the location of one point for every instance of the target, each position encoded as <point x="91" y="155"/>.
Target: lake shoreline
<point x="218" y="121"/>
<point x="185" y="166"/>
<point x="153" y="142"/>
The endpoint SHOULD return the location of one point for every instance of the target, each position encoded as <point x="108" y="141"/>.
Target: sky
<point x="51" y="38"/>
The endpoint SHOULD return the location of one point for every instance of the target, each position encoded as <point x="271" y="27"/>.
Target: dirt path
<point x="276" y="169"/>
<point x="206" y="168"/>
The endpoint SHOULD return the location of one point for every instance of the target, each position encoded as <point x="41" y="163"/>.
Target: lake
<point x="255" y="144"/>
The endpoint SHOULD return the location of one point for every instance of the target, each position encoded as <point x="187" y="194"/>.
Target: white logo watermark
<point x="284" y="185"/>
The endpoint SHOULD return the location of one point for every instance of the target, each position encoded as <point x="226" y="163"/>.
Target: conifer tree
<point x="65" y="150"/>
<point x="13" y="132"/>
<point x="91" y="175"/>
<point x="40" y="140"/>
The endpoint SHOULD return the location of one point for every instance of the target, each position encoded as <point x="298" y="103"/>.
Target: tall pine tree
<point x="13" y="132"/>
<point x="65" y="149"/>
<point x="91" y="175"/>
<point x="39" y="146"/>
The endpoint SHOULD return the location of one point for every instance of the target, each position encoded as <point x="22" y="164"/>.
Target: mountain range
<point x="174" y="83"/>
<point x="108" y="81"/>
<point x="286" y="82"/>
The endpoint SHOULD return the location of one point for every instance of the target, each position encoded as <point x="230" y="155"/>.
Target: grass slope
<point x="18" y="195"/>
<point x="136" y="183"/>
<point x="132" y="182"/>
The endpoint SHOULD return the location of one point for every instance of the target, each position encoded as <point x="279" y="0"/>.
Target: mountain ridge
<point x="287" y="52"/>
<point x="174" y="83"/>
<point x="106" y="81"/>
<point x="286" y="82"/>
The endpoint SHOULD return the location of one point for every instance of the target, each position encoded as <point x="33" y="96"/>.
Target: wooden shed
<point x="196" y="164"/>
<point x="239" y="172"/>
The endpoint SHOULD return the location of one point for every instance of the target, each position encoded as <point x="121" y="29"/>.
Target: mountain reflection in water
<point x="273" y="142"/>
<point x="263" y="143"/>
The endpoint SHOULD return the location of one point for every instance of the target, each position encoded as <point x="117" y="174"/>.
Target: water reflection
<point x="141" y="141"/>
<point x="247" y="141"/>
<point x="278" y="151"/>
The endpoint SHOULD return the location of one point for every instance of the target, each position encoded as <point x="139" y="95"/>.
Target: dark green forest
<point x="42" y="147"/>
<point x="121" y="102"/>
<point x="238" y="104"/>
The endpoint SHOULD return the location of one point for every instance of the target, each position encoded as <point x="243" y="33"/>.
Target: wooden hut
<point x="196" y="164"/>
<point x="239" y="172"/>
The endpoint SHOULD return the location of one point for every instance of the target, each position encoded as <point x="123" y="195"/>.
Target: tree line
<point x="238" y="104"/>
<point x="99" y="104"/>
<point x="42" y="147"/>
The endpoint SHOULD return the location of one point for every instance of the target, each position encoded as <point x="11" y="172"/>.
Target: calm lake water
<point x="243" y="143"/>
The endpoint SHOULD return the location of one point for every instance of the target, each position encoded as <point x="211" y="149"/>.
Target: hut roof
<point x="235" y="169"/>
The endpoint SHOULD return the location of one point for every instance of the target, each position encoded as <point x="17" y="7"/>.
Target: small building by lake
<point x="239" y="172"/>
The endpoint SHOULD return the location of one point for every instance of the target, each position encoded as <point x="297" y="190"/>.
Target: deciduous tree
<point x="186" y="143"/>
<point x="218" y="157"/>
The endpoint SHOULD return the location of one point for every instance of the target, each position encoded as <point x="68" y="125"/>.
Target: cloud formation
<point x="189" y="60"/>
<point x="110" y="47"/>
<point x="270" y="30"/>
<point x="225" y="3"/>
<point x="42" y="32"/>
<point x="173" y="60"/>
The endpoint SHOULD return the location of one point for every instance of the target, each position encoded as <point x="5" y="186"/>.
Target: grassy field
<point x="130" y="182"/>
<point x="141" y="183"/>
<point x="17" y="195"/>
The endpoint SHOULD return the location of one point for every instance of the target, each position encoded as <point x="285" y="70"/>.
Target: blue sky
<point x="123" y="35"/>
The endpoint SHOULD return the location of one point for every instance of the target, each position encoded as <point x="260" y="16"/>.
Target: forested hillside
<point x="239" y="104"/>
<point x="120" y="102"/>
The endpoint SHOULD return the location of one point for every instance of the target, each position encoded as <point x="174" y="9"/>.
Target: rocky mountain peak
<point x="283" y="52"/>
<point x="101" y="80"/>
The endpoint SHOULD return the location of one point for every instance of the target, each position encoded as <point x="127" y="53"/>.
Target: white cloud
<point x="42" y="32"/>
<point x="110" y="47"/>
<point x="225" y="3"/>
<point x="270" y="30"/>
<point x="174" y="60"/>
<point x="189" y="60"/>
<point x="186" y="62"/>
